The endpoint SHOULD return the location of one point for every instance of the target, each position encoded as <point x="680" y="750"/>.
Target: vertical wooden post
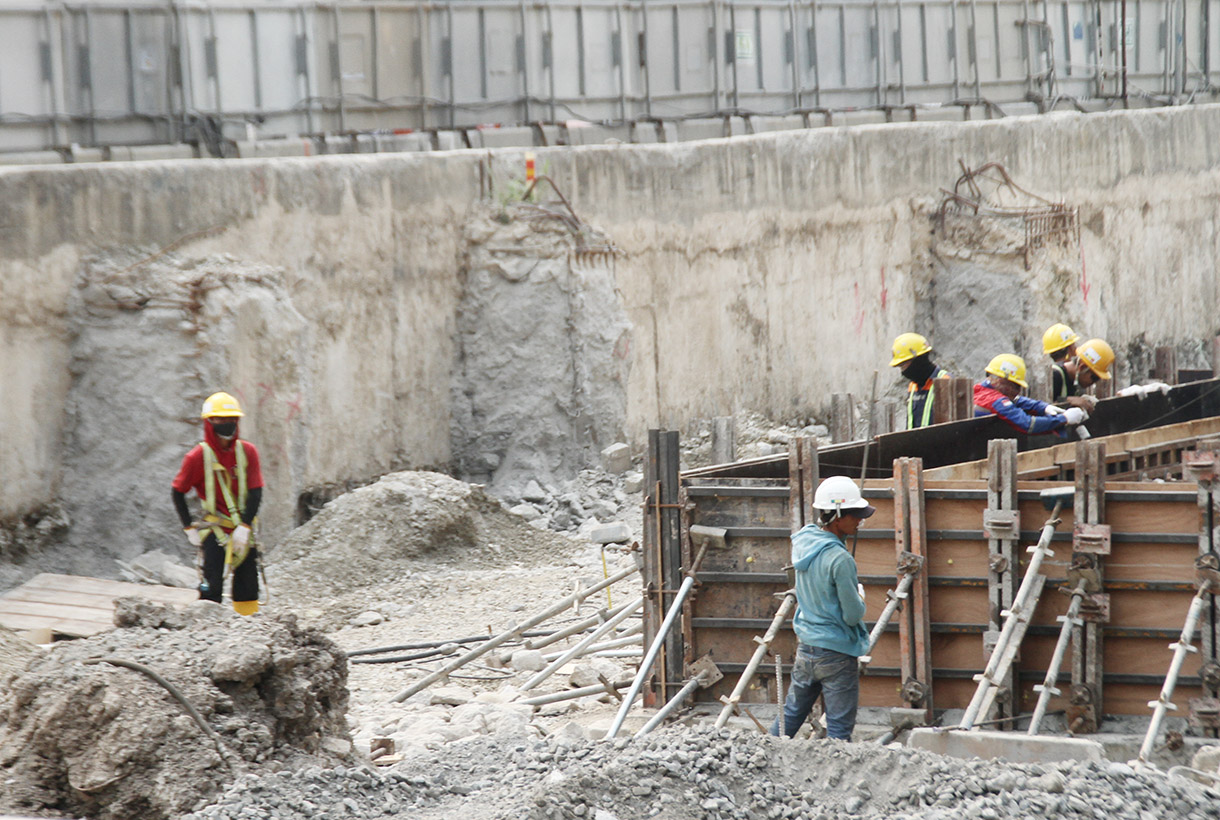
<point x="883" y="417"/>
<point x="914" y="625"/>
<point x="1002" y="524"/>
<point x="1166" y="367"/>
<point x="952" y="399"/>
<point x="1090" y="543"/>
<point x="802" y="479"/>
<point x="724" y="440"/>
<point x="1216" y="356"/>
<point x="963" y="398"/>
<point x="842" y="417"/>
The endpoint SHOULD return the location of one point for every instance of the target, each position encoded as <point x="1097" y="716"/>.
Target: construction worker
<point x="224" y="472"/>
<point x="912" y="355"/>
<point x="1001" y="394"/>
<point x="1081" y="368"/>
<point x="829" y="615"/>
<point x="1059" y="342"/>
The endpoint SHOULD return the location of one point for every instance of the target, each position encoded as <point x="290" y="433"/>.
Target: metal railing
<point x="127" y="73"/>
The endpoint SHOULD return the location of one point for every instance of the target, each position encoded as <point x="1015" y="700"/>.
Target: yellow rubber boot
<point x="245" y="607"/>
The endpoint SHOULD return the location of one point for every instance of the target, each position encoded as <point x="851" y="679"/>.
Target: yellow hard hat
<point x="1057" y="337"/>
<point x="219" y="406"/>
<point x="1008" y="366"/>
<point x="1097" y="355"/>
<point x="908" y="346"/>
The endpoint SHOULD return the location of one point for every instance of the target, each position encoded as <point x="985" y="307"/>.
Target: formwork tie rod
<point x="1048" y="688"/>
<point x="764" y="643"/>
<point x="1180" y="649"/>
<point x="1015" y="619"/>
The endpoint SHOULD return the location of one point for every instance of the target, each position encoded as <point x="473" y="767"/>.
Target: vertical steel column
<point x="662" y="558"/>
<point x="732" y="38"/>
<point x="1002" y="524"/>
<point x="1090" y="542"/>
<point x="425" y="62"/>
<point x="550" y="52"/>
<point x="452" y="81"/>
<point x="336" y="52"/>
<point x="654" y="583"/>
<point x="375" y="50"/>
<point x="644" y="64"/>
<point x="795" y="55"/>
<point x="130" y="52"/>
<point x="212" y="59"/>
<point x="1202" y="465"/>
<point x="622" y="63"/>
<point x="304" y="54"/>
<point x="879" y="52"/>
<point x="900" y="56"/>
<point x="256" y="59"/>
<point x="953" y="30"/>
<point x="50" y="80"/>
<point x="974" y="51"/>
<point x="85" y="73"/>
<point x="523" y="68"/>
<point x="914" y="627"/>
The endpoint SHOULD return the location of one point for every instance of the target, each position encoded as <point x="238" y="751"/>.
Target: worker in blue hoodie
<point x="829" y="614"/>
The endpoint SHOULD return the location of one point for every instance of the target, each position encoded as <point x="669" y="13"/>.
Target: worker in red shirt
<point x="224" y="472"/>
<point x="1001" y="394"/>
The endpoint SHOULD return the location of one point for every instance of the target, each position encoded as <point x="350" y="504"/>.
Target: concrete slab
<point x="1008" y="745"/>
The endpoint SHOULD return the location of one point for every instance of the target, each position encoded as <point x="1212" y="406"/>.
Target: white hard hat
<point x="839" y="494"/>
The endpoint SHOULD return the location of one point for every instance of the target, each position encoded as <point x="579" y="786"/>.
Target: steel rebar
<point x="594" y="620"/>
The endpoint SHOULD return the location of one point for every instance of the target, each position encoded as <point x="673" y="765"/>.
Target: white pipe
<point x="551" y="611"/>
<point x="1052" y="672"/>
<point x="898" y="595"/>
<point x="673" y="704"/>
<point x="579" y="626"/>
<point x="580" y="647"/>
<point x="674" y="610"/>
<point x="1180" y="649"/>
<point x="626" y="638"/>
<point x="747" y="674"/>
<point x="1012" y="617"/>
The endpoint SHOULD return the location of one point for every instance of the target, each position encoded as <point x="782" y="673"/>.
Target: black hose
<point x="376" y="650"/>
<point x="178" y="696"/>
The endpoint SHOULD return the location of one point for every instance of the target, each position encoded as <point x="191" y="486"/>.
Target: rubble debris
<point x="95" y="727"/>
<point x="678" y="773"/>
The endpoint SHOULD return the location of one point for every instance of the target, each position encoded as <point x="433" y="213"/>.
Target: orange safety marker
<point x="529" y="173"/>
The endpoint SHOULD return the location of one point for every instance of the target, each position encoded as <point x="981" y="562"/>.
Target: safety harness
<point x="215" y="473"/>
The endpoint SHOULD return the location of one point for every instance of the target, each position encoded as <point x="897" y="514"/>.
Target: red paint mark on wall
<point x="884" y="290"/>
<point x="859" y="320"/>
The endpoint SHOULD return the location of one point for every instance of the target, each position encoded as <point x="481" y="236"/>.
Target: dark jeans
<point x="245" y="577"/>
<point x="834" y="676"/>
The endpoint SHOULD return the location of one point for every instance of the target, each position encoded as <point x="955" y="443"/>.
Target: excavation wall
<point x="761" y="273"/>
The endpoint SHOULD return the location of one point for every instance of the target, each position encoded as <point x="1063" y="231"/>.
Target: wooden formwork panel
<point x="1149" y="578"/>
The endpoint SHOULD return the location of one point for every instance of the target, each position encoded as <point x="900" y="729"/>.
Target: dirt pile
<point x="387" y="529"/>
<point x="84" y="732"/>
<point x="705" y="773"/>
<point x="15" y="653"/>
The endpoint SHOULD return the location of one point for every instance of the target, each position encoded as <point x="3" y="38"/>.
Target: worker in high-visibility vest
<point x="224" y="472"/>
<point x="913" y="356"/>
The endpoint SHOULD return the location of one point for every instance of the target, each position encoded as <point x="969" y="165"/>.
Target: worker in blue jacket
<point x="829" y="620"/>
<point x="1000" y="394"/>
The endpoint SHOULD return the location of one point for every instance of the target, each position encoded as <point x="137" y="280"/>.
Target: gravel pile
<point x="702" y="772"/>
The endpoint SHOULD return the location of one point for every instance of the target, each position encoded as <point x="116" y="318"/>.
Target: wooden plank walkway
<point x="76" y="606"/>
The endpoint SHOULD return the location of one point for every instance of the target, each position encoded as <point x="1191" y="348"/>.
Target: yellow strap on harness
<point x="215" y="473"/>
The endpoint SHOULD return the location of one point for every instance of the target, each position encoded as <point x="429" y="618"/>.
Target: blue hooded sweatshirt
<point x="829" y="611"/>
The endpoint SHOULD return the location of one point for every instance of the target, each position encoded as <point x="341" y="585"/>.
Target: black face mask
<point x="225" y="429"/>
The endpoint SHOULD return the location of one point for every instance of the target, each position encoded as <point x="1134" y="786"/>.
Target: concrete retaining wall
<point x="760" y="273"/>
